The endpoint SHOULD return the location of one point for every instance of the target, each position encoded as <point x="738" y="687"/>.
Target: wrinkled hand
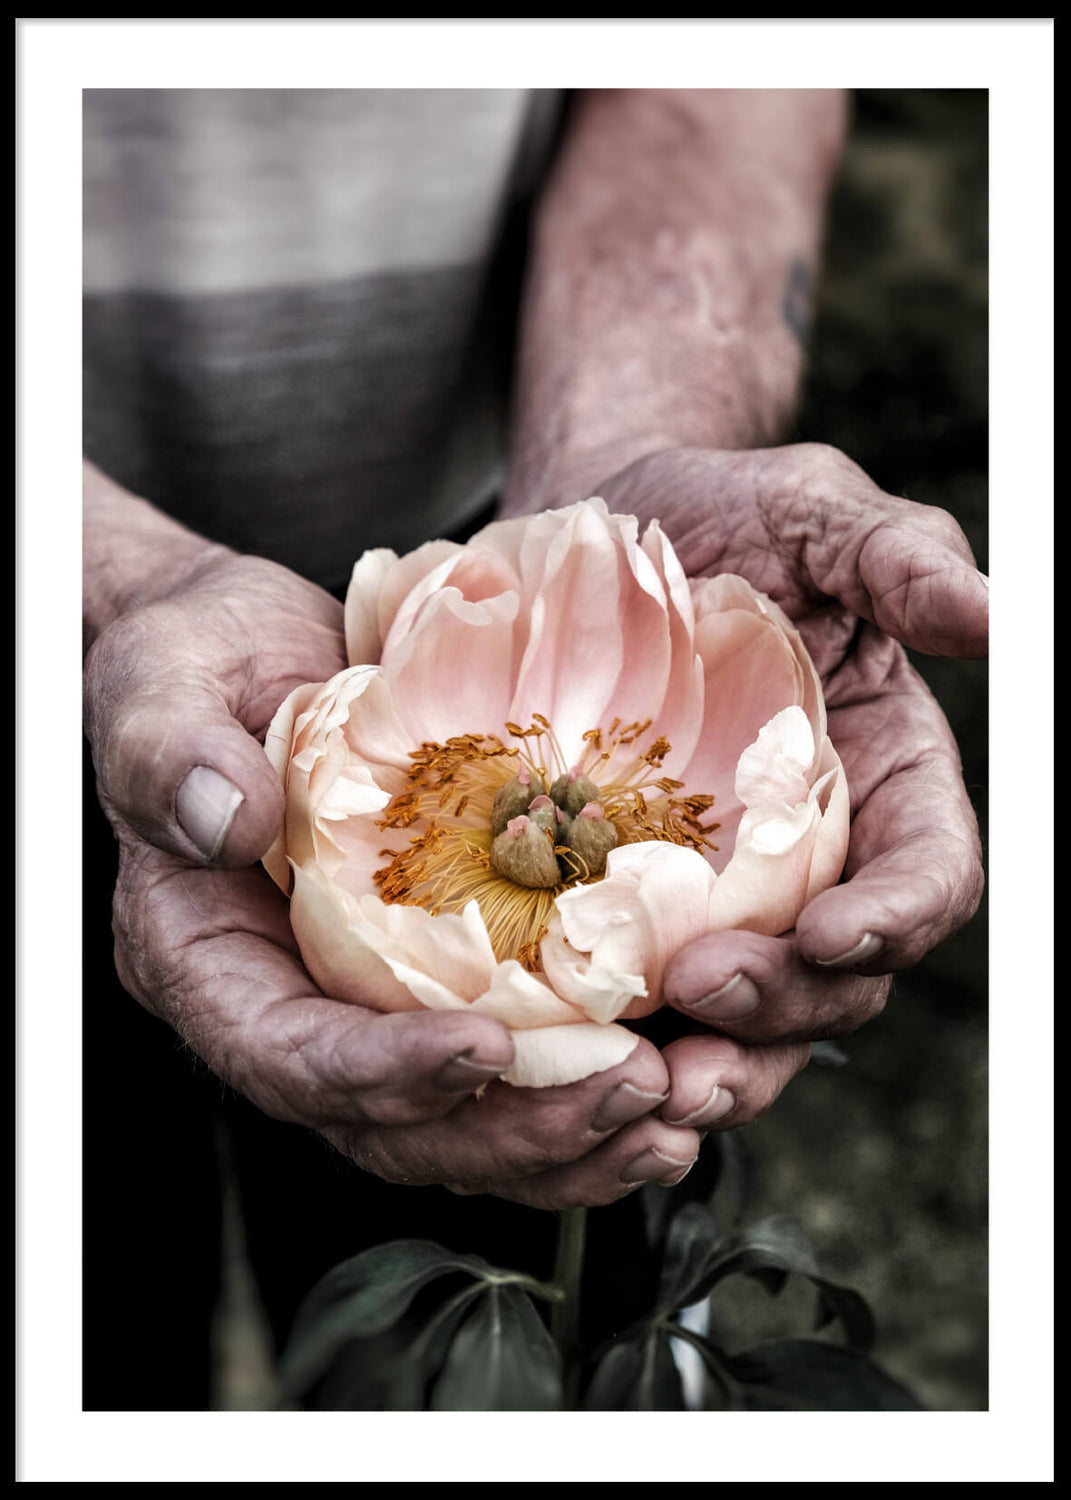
<point x="859" y="572"/>
<point x="178" y="695"/>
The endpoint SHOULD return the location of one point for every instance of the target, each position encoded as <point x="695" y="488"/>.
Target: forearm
<point x="131" y="552"/>
<point x="671" y="262"/>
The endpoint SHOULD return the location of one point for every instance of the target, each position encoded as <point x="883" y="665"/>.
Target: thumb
<point x="172" y="762"/>
<point x="908" y="568"/>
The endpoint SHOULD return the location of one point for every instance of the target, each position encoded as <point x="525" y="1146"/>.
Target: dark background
<point x="883" y="1159"/>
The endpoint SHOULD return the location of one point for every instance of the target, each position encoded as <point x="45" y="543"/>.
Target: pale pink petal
<point x="729" y="592"/>
<point x="831" y="845"/>
<point x="599" y="638"/>
<point x="764" y="885"/>
<point x="751" y="673"/>
<point x="447" y="677"/>
<point x="647" y="645"/>
<point x="335" y="949"/>
<point x="776" y="767"/>
<point x="680" y="719"/>
<point x="672" y="897"/>
<point x="370" y="573"/>
<point x="278" y="744"/>
<point x="504" y="537"/>
<point x="306" y="739"/>
<point x="565" y="1054"/>
<point x="653" y="900"/>
<point x="478" y="576"/>
<point x="365" y="848"/>
<point x="381" y="585"/>
<point x="279" y="738"/>
<point x="440" y="959"/>
<point x="519" y="999"/>
<point x="375" y="733"/>
<point x="603" y="994"/>
<point x="542" y="540"/>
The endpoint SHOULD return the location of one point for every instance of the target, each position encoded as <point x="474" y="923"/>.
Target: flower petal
<point x="598" y="644"/>
<point x="378" y="584"/>
<point x="776" y="767"/>
<point x="519" y="999"/>
<point x="370" y="573"/>
<point x="653" y="900"/>
<point x="831" y="845"/>
<point x="603" y="994"/>
<point x="335" y="947"/>
<point x="729" y="592"/>
<point x="278" y="743"/>
<point x="565" y="1054"/>
<point x="751" y="674"/>
<point x="680" y="719"/>
<point x="446" y="677"/>
<point x="764" y="886"/>
<point x="324" y="782"/>
<point x="442" y="959"/>
<point x="479" y="576"/>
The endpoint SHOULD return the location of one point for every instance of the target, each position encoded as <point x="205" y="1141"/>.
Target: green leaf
<point x="692" y="1245"/>
<point x="502" y="1359"/>
<point x="392" y="1371"/>
<point x="362" y="1297"/>
<point x="637" y="1374"/>
<point x="767" y="1251"/>
<point x="806" y="1375"/>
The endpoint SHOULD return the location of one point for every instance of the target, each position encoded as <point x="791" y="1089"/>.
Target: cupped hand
<point x="412" y="1097"/>
<point x="862" y="574"/>
<point x="178" y="694"/>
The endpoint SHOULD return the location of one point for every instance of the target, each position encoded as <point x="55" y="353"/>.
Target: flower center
<point x="514" y="825"/>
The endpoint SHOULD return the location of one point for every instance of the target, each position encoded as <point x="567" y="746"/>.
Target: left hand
<point x="862" y="574"/>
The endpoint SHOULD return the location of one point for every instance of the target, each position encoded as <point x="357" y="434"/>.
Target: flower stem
<point x="565" y="1315"/>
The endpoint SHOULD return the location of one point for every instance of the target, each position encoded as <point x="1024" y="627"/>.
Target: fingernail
<point x="463" y="1072"/>
<point x="865" y="949"/>
<point x="739" y="998"/>
<point x="205" y="805"/>
<point x="719" y="1104"/>
<point x="625" y="1103"/>
<point x="654" y="1166"/>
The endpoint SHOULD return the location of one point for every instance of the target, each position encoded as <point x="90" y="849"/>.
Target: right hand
<point x="179" y="691"/>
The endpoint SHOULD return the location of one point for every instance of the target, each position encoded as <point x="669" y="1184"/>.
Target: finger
<point x="514" y="1133"/>
<point x="760" y="990"/>
<point x="900" y="905"/>
<point x="172" y="761"/>
<point x="212" y="953"/>
<point x="914" y="863"/>
<point x="717" y="1084"/>
<point x="647" y="1151"/>
<point x="907" y="568"/>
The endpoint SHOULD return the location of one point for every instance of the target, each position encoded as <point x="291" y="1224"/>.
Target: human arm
<point x="699" y="370"/>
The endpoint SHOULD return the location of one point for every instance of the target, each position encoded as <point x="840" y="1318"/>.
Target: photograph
<point x="598" y="811"/>
<point x="543" y="942"/>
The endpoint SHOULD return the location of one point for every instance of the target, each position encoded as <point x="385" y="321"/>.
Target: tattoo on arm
<point x="797" y="304"/>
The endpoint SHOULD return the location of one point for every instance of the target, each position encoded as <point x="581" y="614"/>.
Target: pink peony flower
<point x="553" y="763"/>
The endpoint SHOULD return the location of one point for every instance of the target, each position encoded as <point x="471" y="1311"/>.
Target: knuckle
<point x="866" y="1001"/>
<point x="398" y="1110"/>
<point x="944" y="526"/>
<point x="826" y="464"/>
<point x="523" y="1156"/>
